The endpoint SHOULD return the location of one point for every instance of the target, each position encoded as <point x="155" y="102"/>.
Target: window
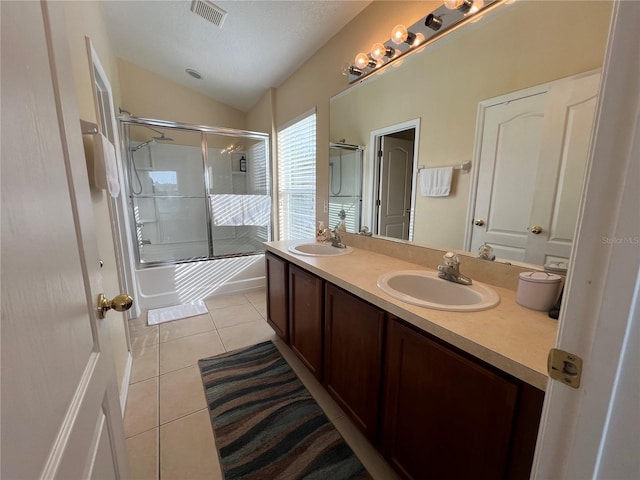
<point x="297" y="178"/>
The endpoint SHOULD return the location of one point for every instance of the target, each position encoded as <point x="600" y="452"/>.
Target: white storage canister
<point x="538" y="290"/>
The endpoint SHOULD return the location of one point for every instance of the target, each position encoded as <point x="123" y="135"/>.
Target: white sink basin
<point x="425" y="289"/>
<point x="318" y="249"/>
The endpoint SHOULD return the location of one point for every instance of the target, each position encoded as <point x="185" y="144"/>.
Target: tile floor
<point x="166" y="422"/>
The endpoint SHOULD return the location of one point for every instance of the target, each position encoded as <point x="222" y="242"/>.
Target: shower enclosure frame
<point x="125" y="120"/>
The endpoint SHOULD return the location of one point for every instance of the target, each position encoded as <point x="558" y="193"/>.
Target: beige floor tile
<point x="368" y="455"/>
<point x="225" y="301"/>
<point x="187" y="449"/>
<point x="331" y="409"/>
<point x="142" y="407"/>
<point x="229" y="316"/>
<point x="143" y="336"/>
<point x="145" y="363"/>
<point x="257" y="297"/>
<point x="186" y="351"/>
<point x="262" y="310"/>
<point x="246" y="334"/>
<point x="141" y="320"/>
<point x="181" y="393"/>
<point x="143" y="455"/>
<point x="185" y="327"/>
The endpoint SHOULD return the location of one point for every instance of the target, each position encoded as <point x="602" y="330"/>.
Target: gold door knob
<point x="120" y="303"/>
<point x="536" y="229"/>
<point x="478" y="222"/>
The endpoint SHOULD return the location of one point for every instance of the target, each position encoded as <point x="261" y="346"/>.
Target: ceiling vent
<point x="209" y="11"/>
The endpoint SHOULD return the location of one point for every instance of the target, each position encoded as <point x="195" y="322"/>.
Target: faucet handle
<point x="451" y="259"/>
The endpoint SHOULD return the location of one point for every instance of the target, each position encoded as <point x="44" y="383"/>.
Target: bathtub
<point x="168" y="285"/>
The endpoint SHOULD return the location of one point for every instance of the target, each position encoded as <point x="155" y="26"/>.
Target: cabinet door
<point x="277" y="295"/>
<point x="305" y="318"/>
<point x="353" y="356"/>
<point x="445" y="415"/>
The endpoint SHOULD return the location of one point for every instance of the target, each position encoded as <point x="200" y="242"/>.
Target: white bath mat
<point x="167" y="314"/>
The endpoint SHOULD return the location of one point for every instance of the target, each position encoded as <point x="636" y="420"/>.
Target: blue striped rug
<point x="266" y="424"/>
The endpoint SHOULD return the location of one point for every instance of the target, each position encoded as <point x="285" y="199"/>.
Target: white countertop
<point x="508" y="336"/>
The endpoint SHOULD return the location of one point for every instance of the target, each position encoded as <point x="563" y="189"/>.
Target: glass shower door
<point x="238" y="182"/>
<point x="166" y="183"/>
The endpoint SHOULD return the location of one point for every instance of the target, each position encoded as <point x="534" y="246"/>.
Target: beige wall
<point x="146" y="94"/>
<point x="84" y="19"/>
<point x="442" y="86"/>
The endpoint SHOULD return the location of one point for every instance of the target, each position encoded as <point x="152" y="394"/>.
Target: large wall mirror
<point x="453" y="87"/>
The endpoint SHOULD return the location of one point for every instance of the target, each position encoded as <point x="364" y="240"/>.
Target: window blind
<point x="297" y="179"/>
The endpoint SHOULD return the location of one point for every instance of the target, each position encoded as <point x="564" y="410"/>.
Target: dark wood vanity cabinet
<point x="277" y="273"/>
<point x="447" y="416"/>
<point x="306" y="315"/>
<point x="354" y="335"/>
<point x="433" y="410"/>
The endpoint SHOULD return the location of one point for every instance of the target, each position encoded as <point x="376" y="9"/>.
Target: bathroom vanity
<point x="441" y="394"/>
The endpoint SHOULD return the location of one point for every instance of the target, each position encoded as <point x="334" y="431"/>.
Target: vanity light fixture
<point x="449" y="16"/>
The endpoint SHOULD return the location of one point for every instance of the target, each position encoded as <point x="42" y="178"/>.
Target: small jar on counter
<point x="538" y="290"/>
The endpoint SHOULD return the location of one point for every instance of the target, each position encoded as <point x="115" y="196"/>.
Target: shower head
<point x="144" y="144"/>
<point x="162" y="138"/>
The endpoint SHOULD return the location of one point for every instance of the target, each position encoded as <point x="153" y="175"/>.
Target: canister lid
<point x="539" y="277"/>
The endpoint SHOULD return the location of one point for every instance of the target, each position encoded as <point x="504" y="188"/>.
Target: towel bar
<point x="463" y="167"/>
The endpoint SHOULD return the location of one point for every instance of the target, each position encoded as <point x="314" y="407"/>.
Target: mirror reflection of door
<point x="395" y="183"/>
<point x="532" y="164"/>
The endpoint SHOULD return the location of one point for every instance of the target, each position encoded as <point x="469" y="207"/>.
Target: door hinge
<point x="565" y="367"/>
<point x="379" y="153"/>
<point x="378" y="203"/>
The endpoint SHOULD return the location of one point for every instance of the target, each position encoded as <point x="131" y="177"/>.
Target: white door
<point x="61" y="416"/>
<point x="592" y="432"/>
<point x="395" y="187"/>
<point x="561" y="168"/>
<point x="508" y="164"/>
<point x="533" y="157"/>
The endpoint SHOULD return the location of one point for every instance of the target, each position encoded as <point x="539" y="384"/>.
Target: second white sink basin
<point x="425" y="289"/>
<point x="319" y="249"/>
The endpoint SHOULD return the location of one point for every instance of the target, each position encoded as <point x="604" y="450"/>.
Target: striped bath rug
<point x="266" y="424"/>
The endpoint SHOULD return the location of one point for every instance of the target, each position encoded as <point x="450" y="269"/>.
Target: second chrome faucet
<point x="451" y="270"/>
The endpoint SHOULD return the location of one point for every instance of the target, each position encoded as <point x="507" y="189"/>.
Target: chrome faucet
<point x="335" y="239"/>
<point x="451" y="270"/>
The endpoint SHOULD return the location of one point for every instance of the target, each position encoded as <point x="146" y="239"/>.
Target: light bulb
<point x="462" y="5"/>
<point x="350" y="70"/>
<point x="399" y="34"/>
<point x="452" y="4"/>
<point x="419" y="38"/>
<point x="477" y="5"/>
<point x="378" y="51"/>
<point x="362" y="61"/>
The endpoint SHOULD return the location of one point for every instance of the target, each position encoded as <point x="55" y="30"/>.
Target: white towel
<point x="436" y="182"/>
<point x="105" y="167"/>
<point x="256" y="210"/>
<point x="226" y="209"/>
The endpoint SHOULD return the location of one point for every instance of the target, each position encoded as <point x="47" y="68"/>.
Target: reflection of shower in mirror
<point x="345" y="184"/>
<point x="335" y="190"/>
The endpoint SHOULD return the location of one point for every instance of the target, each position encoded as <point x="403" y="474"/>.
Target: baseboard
<point x="124" y="388"/>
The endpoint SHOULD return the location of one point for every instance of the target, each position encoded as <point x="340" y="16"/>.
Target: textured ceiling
<point x="259" y="45"/>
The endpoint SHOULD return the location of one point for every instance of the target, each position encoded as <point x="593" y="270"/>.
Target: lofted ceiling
<point x="259" y="45"/>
